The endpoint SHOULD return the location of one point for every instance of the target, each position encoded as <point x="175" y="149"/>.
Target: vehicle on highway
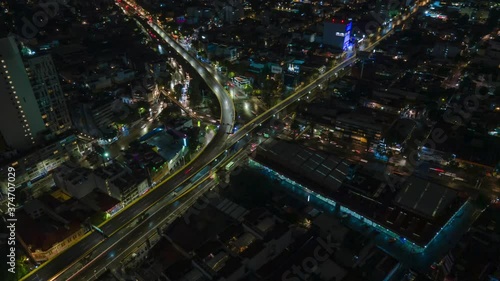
<point x="228" y="166"/>
<point x="100" y="231"/>
<point x="188" y="170"/>
<point x="143" y="217"/>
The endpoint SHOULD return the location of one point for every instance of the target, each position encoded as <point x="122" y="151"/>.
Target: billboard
<point x="293" y="68"/>
<point x="276" y="69"/>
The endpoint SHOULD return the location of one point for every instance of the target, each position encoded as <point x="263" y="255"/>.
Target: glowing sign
<point x="347" y="37"/>
<point x="180" y="19"/>
<point x="276" y="69"/>
<point x="293" y="68"/>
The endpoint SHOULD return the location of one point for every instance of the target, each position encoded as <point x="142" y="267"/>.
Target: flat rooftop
<point x="424" y="197"/>
<point x="167" y="145"/>
<point x="361" y="120"/>
<point x="415" y="209"/>
<point x="326" y="170"/>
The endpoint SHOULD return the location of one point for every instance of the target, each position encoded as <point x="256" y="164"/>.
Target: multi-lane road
<point x="126" y="243"/>
<point x="94" y="246"/>
<point x="300" y="93"/>
<point x="140" y="231"/>
<point x="127" y="240"/>
<point x="94" y="242"/>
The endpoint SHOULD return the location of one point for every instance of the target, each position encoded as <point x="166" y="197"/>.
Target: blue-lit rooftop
<point x="414" y="210"/>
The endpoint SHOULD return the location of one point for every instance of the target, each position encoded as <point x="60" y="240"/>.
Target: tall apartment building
<point x="34" y="101"/>
<point x="19" y="112"/>
<point x="48" y="93"/>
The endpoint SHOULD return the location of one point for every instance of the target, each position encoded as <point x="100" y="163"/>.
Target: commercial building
<point x="363" y="127"/>
<point x="233" y="13"/>
<point x="114" y="180"/>
<point x="119" y="182"/>
<point x="337" y="34"/>
<point x="48" y="93"/>
<point x="35" y="102"/>
<point x="98" y="83"/>
<point x="95" y="118"/>
<point x="241" y="81"/>
<point x="32" y="167"/>
<point x="415" y="209"/>
<point x="18" y="102"/>
<point x="123" y="76"/>
<point x="76" y="181"/>
<point x="358" y="127"/>
<point x="445" y="50"/>
<point x="57" y="219"/>
<point x="292" y="73"/>
<point x="223" y="51"/>
<point x="162" y="151"/>
<point x="35" y="107"/>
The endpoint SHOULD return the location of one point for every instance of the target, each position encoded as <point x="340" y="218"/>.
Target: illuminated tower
<point x="337" y="33"/>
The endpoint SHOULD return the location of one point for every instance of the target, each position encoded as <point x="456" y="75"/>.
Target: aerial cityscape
<point x="225" y="140"/>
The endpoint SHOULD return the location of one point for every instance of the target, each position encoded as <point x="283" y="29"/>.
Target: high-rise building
<point x="337" y="33"/>
<point x="21" y="119"/>
<point x="34" y="101"/>
<point x="48" y="93"/>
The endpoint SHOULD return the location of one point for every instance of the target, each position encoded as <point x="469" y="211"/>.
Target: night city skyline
<point x="192" y="140"/>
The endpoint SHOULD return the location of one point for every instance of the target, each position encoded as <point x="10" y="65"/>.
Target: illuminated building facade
<point x="292" y="73"/>
<point x="337" y="33"/>
<point x="18" y="104"/>
<point x="34" y="102"/>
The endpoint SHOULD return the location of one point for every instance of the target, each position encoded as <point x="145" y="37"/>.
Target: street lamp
<point x="105" y="157"/>
<point x="141" y="111"/>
